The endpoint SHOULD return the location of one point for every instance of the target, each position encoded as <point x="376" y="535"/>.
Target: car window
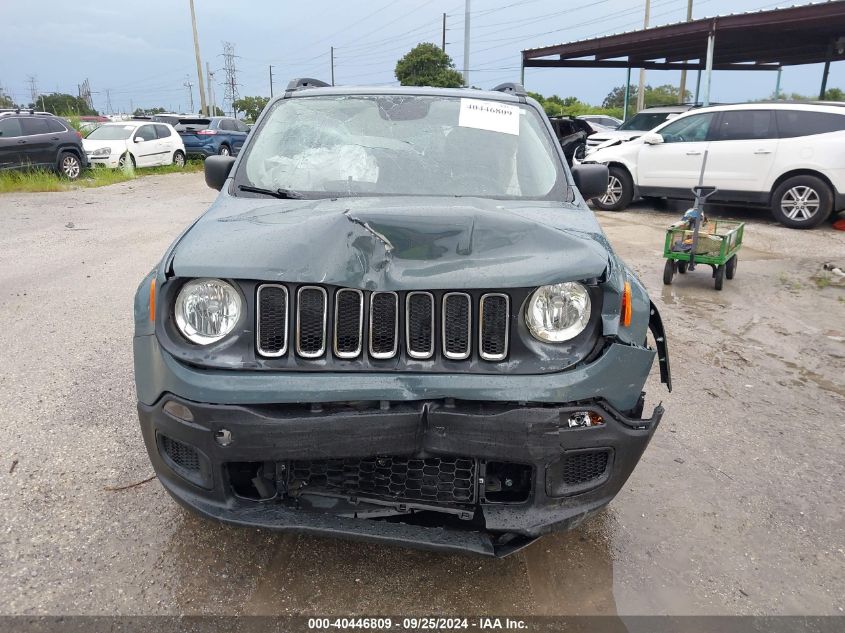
<point x="792" y="123"/>
<point x="644" y="121"/>
<point x="741" y="125"/>
<point x="192" y="125"/>
<point x="689" y="129"/>
<point x="405" y="145"/>
<point x="146" y="132"/>
<point x="162" y="131"/>
<point x="242" y="127"/>
<point x="226" y="124"/>
<point x="9" y="127"/>
<point x="34" y="125"/>
<point x="54" y="125"/>
<point x="111" y="133"/>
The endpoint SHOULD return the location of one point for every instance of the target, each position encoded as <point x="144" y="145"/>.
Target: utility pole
<point x="443" y="45"/>
<point x="212" y="102"/>
<point x="332" y="57"/>
<point x="683" y="86"/>
<point x="199" y="63"/>
<point x="466" y="43"/>
<point x="641" y="88"/>
<point x="190" y="87"/>
<point x="271" y="81"/>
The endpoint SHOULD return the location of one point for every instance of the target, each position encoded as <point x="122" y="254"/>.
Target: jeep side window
<point x="689" y="129"/>
<point x="742" y="125"/>
<point x="55" y="126"/>
<point x="10" y="127"/>
<point x="34" y="125"/>
<point x="792" y="123"/>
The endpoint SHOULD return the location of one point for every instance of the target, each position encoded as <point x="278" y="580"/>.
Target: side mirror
<point x="217" y="170"/>
<point x="652" y="138"/>
<point x="138" y="139"/>
<point x="590" y="179"/>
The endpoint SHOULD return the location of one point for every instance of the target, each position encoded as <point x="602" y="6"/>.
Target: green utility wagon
<point x="715" y="243"/>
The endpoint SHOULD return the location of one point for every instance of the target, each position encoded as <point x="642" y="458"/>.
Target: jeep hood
<point x="393" y="243"/>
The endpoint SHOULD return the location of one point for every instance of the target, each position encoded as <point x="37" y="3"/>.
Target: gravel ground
<point x="736" y="507"/>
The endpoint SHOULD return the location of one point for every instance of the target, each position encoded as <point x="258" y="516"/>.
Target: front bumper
<point x="535" y="436"/>
<point x="110" y="161"/>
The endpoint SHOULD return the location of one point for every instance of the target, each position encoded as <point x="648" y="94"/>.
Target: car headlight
<point x="206" y="310"/>
<point x="102" y="151"/>
<point x="559" y="312"/>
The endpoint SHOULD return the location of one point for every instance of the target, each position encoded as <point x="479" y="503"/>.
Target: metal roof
<point x="764" y="40"/>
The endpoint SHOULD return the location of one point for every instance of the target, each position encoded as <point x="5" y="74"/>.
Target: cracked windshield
<point x="403" y="145"/>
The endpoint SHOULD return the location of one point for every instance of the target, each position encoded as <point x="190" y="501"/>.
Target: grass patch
<point x="42" y="180"/>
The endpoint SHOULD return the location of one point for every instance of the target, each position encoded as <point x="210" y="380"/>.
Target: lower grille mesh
<point x="182" y="455"/>
<point x="579" y="468"/>
<point x="434" y="479"/>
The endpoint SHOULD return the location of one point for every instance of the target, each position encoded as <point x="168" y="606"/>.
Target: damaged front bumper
<point x="450" y="475"/>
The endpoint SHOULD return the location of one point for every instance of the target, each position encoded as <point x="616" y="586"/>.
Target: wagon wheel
<point x="720" y="277"/>
<point x="682" y="267"/>
<point x="668" y="271"/>
<point x="730" y="267"/>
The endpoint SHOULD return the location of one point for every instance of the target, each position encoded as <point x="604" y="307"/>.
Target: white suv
<point x="787" y="156"/>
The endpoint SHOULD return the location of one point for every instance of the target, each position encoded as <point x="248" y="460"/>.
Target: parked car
<point x="643" y="121"/>
<point x="572" y="134"/>
<point x="786" y="156"/>
<point x="212" y="135"/>
<point x="398" y="315"/>
<point x="145" y="144"/>
<point x="605" y="121"/>
<point x="30" y="139"/>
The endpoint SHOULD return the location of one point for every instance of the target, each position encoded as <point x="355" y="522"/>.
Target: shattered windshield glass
<point x="403" y="145"/>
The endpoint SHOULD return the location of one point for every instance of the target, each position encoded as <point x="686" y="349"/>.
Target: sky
<point x="143" y="57"/>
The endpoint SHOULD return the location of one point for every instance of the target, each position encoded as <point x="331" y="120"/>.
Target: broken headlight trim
<point x="559" y="312"/>
<point x="206" y="310"/>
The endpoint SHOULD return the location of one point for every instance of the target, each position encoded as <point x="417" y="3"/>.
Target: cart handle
<point x="703" y="192"/>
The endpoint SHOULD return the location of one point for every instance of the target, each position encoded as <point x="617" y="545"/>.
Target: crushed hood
<point x="395" y="243"/>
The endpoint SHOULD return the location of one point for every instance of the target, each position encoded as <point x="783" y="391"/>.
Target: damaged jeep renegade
<point x="398" y="322"/>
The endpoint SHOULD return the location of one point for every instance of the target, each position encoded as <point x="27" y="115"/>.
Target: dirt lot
<point x="736" y="508"/>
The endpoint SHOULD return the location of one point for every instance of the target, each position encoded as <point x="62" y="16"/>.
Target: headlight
<point x="559" y="312"/>
<point x="206" y="310"/>
<point x="102" y="151"/>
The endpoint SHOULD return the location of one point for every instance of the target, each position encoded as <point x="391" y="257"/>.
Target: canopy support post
<point x="627" y="93"/>
<point x="826" y="71"/>
<point x="708" y="69"/>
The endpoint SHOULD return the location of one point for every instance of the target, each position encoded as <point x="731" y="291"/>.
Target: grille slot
<point x="493" y="326"/>
<point x="311" y="321"/>
<point x="272" y="320"/>
<point x="419" y="324"/>
<point x="181" y="454"/>
<point x="580" y="468"/>
<point x="384" y="324"/>
<point x="457" y="325"/>
<point x="433" y="479"/>
<point x="348" y="322"/>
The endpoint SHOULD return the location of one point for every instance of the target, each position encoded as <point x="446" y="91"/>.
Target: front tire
<point x="69" y="166"/>
<point x="122" y="161"/>
<point x="620" y="190"/>
<point x="802" y="202"/>
<point x="179" y="158"/>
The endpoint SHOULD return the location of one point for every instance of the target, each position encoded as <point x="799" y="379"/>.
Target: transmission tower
<point x="33" y="88"/>
<point x="109" y="108"/>
<point x="190" y="88"/>
<point x="85" y="94"/>
<point x="231" y="88"/>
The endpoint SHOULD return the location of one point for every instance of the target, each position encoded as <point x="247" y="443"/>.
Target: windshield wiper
<point x="286" y="194"/>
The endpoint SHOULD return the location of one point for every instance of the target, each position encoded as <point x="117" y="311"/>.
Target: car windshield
<point x="403" y="145"/>
<point x="644" y="121"/>
<point x="111" y="133"/>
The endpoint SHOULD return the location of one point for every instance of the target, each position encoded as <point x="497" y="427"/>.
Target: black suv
<point x="40" y="140"/>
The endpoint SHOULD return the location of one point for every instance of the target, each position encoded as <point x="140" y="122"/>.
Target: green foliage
<point x="218" y="111"/>
<point x="427" y="65"/>
<point x="251" y="106"/>
<point x="148" y="111"/>
<point x="831" y="94"/>
<point x="62" y="104"/>
<point x="571" y="106"/>
<point x="666" y="94"/>
<point x="6" y="102"/>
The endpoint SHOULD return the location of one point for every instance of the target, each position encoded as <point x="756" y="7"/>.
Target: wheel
<point x="682" y="267"/>
<point x="580" y="151"/>
<point x="720" y="277"/>
<point x="620" y="190"/>
<point x="69" y="165"/>
<point x="121" y="162"/>
<point x="179" y="158"/>
<point x="730" y="267"/>
<point x="802" y="202"/>
<point x="224" y="151"/>
<point x="668" y="271"/>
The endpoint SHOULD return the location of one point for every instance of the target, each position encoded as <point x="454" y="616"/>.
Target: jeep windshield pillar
<point x="398" y="322"/>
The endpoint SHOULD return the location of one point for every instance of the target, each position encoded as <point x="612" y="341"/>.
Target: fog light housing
<point x="584" y="419"/>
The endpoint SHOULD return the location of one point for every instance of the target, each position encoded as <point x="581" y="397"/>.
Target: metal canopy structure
<point x="765" y="40"/>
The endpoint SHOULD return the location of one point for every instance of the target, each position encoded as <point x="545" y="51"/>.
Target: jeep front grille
<point x="417" y="326"/>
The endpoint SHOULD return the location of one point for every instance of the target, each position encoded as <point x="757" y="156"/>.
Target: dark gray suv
<point x="399" y="322"/>
<point x="39" y="140"/>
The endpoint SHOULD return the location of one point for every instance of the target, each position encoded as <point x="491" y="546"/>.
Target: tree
<point x="251" y="106"/>
<point x="6" y="102"/>
<point x="62" y="104"/>
<point x="427" y="65"/>
<point x="834" y="94"/>
<point x="666" y="94"/>
<point x="148" y="111"/>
